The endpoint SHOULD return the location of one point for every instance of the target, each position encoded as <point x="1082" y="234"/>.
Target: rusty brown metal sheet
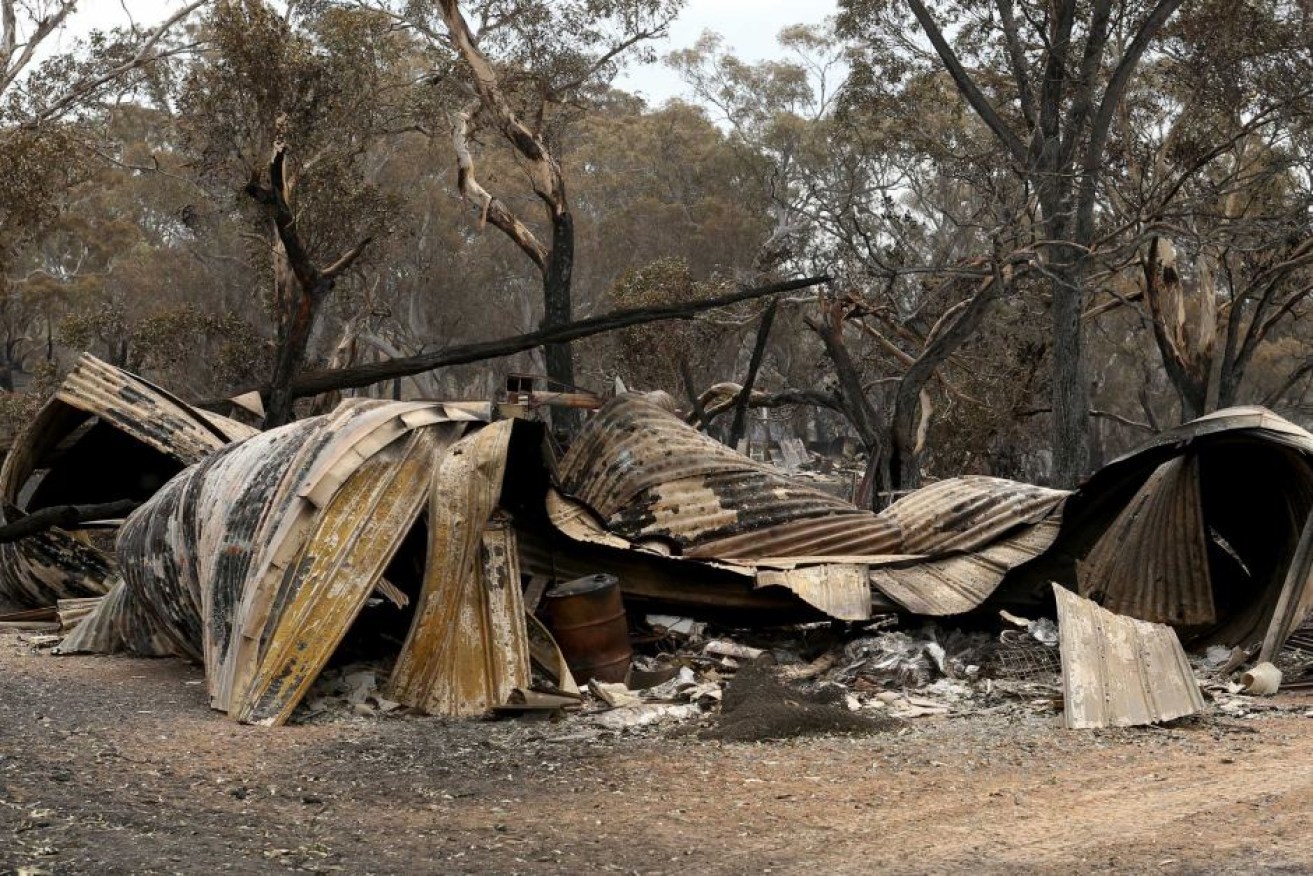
<point x="1152" y="562"/>
<point x="644" y="476"/>
<point x="1118" y="671"/>
<point x="648" y="475"/>
<point x="106" y="422"/>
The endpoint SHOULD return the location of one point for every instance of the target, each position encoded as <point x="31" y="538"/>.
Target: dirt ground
<point x="115" y="765"/>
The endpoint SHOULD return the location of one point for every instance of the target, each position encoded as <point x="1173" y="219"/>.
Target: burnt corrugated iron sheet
<point x="105" y="429"/>
<point x="260" y="559"/>
<point x="467" y="648"/>
<point x="1118" y="671"/>
<point x="1199" y="528"/>
<point x="647" y="474"/>
<point x="960" y="582"/>
<point x="1153" y="560"/>
<point x="649" y="477"/>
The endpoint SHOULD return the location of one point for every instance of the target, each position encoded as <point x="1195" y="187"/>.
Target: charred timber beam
<point x="62" y="516"/>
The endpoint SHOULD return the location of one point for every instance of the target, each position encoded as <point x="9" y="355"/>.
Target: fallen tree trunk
<point x="316" y="382"/>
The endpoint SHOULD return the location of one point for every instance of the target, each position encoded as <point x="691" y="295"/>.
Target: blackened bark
<point x="754" y="364"/>
<point x="558" y="310"/>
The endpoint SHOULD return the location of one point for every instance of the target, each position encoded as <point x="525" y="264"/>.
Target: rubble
<point x="436" y="538"/>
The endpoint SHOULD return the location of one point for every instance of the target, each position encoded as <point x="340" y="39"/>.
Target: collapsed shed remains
<point x="431" y="525"/>
<point x="651" y="483"/>
<point x="1200" y="529"/>
<point x="105" y="435"/>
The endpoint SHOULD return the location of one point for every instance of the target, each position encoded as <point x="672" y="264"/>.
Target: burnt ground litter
<point x="115" y="765"/>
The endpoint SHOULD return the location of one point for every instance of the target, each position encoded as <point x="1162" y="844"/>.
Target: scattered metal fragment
<point x="1118" y="671"/>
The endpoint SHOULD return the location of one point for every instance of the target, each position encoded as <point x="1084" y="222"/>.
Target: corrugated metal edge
<point x="960" y="583"/>
<point x="353" y="538"/>
<point x="1118" y="671"/>
<point x="966" y="513"/>
<point x="841" y="590"/>
<point x="1236" y="419"/>
<point x="146" y="412"/>
<point x="1295" y="601"/>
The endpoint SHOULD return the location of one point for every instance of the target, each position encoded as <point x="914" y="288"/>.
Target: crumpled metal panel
<point x="1199" y="528"/>
<point x="146" y="412"/>
<point x="259" y="559"/>
<point x="841" y="590"/>
<point x="1118" y="671"/>
<point x="467" y="648"/>
<point x="967" y="513"/>
<point x="649" y="477"/>
<point x="116" y="625"/>
<point x="96" y="403"/>
<point x="961" y="582"/>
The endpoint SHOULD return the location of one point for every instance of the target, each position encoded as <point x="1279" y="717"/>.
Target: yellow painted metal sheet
<point x="450" y="662"/>
<point x="353" y="539"/>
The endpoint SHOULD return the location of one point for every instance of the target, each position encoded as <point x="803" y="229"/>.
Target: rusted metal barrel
<point x="587" y="618"/>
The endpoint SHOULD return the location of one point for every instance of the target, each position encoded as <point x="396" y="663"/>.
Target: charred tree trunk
<point x="1070" y="391"/>
<point x="754" y="364"/>
<point x="856" y="406"/>
<point x="911" y="399"/>
<point x="555" y="264"/>
<point x="301" y="288"/>
<point x="558" y="310"/>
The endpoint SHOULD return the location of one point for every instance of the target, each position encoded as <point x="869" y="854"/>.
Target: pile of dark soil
<point x="757" y="707"/>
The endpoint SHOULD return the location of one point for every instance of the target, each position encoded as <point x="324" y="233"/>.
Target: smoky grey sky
<point x="749" y="28"/>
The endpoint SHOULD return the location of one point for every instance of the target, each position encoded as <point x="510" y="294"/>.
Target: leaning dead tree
<point x="300" y="286"/>
<point x="317" y="382"/>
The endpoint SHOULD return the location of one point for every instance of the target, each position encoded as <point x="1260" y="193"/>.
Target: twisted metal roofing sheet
<point x="53" y="565"/>
<point x="647" y="475"/>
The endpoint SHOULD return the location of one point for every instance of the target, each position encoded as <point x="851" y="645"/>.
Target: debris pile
<point x="451" y="553"/>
